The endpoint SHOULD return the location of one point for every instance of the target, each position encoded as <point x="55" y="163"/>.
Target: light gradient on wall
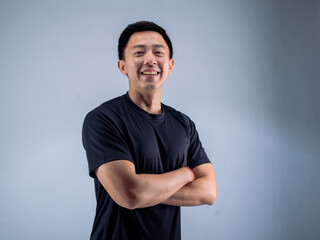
<point x="247" y="72"/>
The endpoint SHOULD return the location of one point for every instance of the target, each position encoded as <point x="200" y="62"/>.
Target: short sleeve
<point x="102" y="141"/>
<point x="196" y="153"/>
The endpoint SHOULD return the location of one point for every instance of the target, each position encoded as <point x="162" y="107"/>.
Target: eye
<point x="138" y="53"/>
<point x="158" y="53"/>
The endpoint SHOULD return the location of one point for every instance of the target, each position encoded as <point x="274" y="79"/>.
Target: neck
<point x="150" y="102"/>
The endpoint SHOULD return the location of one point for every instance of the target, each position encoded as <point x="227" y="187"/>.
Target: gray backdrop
<point x="246" y="72"/>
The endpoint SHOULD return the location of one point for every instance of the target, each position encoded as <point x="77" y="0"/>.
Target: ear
<point x="121" y="67"/>
<point x="171" y="63"/>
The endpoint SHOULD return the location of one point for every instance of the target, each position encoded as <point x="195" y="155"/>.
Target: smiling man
<point x="146" y="158"/>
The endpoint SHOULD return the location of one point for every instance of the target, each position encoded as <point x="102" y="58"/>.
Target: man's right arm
<point x="131" y="190"/>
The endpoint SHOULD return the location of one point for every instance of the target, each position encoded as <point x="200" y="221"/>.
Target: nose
<point x="150" y="59"/>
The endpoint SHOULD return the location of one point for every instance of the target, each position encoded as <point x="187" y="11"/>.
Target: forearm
<point x="192" y="194"/>
<point x="152" y="189"/>
<point x="201" y="191"/>
<point x="131" y="190"/>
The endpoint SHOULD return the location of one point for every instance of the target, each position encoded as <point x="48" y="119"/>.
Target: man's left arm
<point x="203" y="190"/>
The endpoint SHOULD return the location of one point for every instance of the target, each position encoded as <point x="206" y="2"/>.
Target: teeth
<point x="149" y="73"/>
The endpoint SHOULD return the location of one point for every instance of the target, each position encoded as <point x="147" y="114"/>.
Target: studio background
<point x="246" y="72"/>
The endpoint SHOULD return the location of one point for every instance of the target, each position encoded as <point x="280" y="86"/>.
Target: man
<point x="145" y="157"/>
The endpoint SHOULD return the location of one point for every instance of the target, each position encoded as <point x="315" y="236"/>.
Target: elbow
<point x="212" y="196"/>
<point x="128" y="202"/>
<point x="126" y="199"/>
<point x="134" y="201"/>
<point x="212" y="199"/>
<point x="131" y="199"/>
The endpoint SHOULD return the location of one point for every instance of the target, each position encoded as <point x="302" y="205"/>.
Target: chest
<point x="158" y="147"/>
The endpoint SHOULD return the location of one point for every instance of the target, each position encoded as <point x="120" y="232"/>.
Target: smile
<point x="150" y="73"/>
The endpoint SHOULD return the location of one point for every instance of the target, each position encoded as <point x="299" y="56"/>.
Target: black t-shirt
<point x="154" y="143"/>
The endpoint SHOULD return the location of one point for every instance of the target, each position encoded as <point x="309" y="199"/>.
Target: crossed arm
<point x="131" y="190"/>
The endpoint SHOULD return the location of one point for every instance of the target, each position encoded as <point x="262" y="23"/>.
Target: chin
<point x="150" y="87"/>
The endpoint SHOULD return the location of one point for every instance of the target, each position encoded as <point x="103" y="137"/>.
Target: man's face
<point x="146" y="61"/>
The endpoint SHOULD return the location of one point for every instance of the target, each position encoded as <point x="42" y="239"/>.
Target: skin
<point x="148" y="52"/>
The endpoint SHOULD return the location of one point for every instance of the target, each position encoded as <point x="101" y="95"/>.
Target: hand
<point x="191" y="173"/>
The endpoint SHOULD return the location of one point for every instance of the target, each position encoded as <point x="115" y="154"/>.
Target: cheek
<point x="165" y="68"/>
<point x="134" y="66"/>
<point x="130" y="68"/>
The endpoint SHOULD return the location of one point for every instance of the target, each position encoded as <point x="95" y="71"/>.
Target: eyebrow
<point x="144" y="46"/>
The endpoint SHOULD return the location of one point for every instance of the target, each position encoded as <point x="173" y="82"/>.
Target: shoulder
<point x="178" y="115"/>
<point x="106" y="111"/>
<point x="109" y="107"/>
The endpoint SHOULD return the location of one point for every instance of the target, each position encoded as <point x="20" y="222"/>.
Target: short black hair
<point x="140" y="27"/>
